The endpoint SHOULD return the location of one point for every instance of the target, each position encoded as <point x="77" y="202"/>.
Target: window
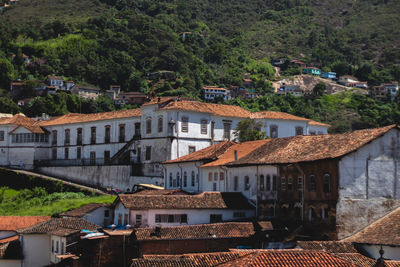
<point x="212" y="129"/>
<point x="273" y="131"/>
<point x="126" y="218"/>
<point x="214" y="218"/>
<point x="171" y="218"/>
<point x="160" y="124"/>
<point x="92" y="158"/>
<point x="66" y="137"/>
<point x="57" y="243"/>
<point x="66" y="153"/>
<point x="119" y="218"/>
<point x="210" y="176"/>
<point x="214" y="187"/>
<point x="215" y="176"/>
<point x="106" y="213"/>
<point x="313" y="185"/>
<point x="138" y="220"/>
<point x="78" y="153"/>
<point x="193" y="175"/>
<point x="227" y="131"/>
<point x="122" y="133"/>
<point x="268" y="187"/>
<point x="107" y="134"/>
<point x="262" y="182"/>
<point x="221" y="176"/>
<point x="62" y="247"/>
<point x="246" y="183"/>
<point x="300" y="183"/>
<point x="54" y="136"/>
<point x="54" y="153"/>
<point x="274" y="182"/>
<point x="178" y="179"/>
<point x="239" y="214"/>
<point x="290" y="183"/>
<point x="137" y="129"/>
<point x="235" y="183"/>
<point x="107" y="157"/>
<point x="79" y="136"/>
<point x="185" y="125"/>
<point x="93" y="135"/>
<point x="192" y="149"/>
<point x="184" y="179"/>
<point x="203" y="129"/>
<point x="52" y="245"/>
<point x="148" y="126"/>
<point x="283" y="183"/>
<point x="299" y="130"/>
<point x="148" y="153"/>
<point x="312" y="133"/>
<point x="327" y="183"/>
<point x="170" y="179"/>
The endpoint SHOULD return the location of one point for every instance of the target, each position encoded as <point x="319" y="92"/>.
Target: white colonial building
<point x="121" y="148"/>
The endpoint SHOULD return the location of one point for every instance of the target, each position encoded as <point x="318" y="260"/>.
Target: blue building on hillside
<point x="329" y="75"/>
<point x="312" y="71"/>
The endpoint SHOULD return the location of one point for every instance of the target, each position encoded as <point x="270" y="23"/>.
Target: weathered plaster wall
<point x="101" y="176"/>
<point x="369" y="181"/>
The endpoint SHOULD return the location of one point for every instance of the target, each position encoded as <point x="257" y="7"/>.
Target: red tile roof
<point x="206" y="154"/>
<point x="385" y="231"/>
<point x="79" y="118"/>
<point x="8" y="239"/>
<point x="328" y="246"/>
<point x="82" y="211"/>
<point x="275" y="115"/>
<point x="214" y="109"/>
<point x="203" y="231"/>
<point x="162" y="192"/>
<point x="20" y="120"/>
<point x="13" y="223"/>
<point x="289" y="258"/>
<point x="311" y="148"/>
<point x="316" y="123"/>
<point x="357" y="259"/>
<point x="205" y="200"/>
<point x="242" y="150"/>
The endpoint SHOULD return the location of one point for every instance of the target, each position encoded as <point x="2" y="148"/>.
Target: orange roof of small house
<point x="316" y="123"/>
<point x="206" y="154"/>
<point x="242" y="149"/>
<point x="276" y="115"/>
<point x="13" y="223"/>
<point x="20" y="120"/>
<point x="305" y="148"/>
<point x="79" y="118"/>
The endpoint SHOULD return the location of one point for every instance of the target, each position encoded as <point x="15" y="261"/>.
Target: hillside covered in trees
<point x="203" y="42"/>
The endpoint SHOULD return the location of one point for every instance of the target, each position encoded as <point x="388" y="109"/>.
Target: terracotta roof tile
<point x="242" y="150"/>
<point x="163" y="192"/>
<point x="23" y="121"/>
<point x="13" y="223"/>
<point x="316" y="123"/>
<point x="8" y="239"/>
<point x="82" y="211"/>
<point x="311" y="148"/>
<point x="60" y="226"/>
<point x="275" y="115"/>
<point x="356" y="258"/>
<point x="79" y="118"/>
<point x="206" y="154"/>
<point x="203" y="231"/>
<point x="289" y="257"/>
<point x="187" y="260"/>
<point x="205" y="200"/>
<point x="328" y="246"/>
<point x="215" y="109"/>
<point x="385" y="231"/>
<point x="389" y="263"/>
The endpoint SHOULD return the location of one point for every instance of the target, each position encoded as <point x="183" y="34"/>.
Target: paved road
<point x="59" y="180"/>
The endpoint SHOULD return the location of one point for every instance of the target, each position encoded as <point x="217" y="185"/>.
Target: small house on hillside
<point x="329" y="75"/>
<point x="97" y="213"/>
<point x="86" y="91"/>
<point x="312" y="71"/>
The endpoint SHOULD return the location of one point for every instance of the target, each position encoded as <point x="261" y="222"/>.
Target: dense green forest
<point x="203" y="42"/>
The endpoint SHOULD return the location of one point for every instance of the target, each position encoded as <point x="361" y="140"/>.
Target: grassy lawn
<point x="38" y="202"/>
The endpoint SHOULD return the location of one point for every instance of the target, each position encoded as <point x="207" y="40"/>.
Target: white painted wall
<point x="171" y="170"/>
<point x="286" y="128"/>
<point x="36" y="250"/>
<point x="97" y="216"/>
<point x="369" y="184"/>
<point x="61" y="241"/>
<point x="317" y="129"/>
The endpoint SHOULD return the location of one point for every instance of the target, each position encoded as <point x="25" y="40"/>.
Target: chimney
<point x="236" y="155"/>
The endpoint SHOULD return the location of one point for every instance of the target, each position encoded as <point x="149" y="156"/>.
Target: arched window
<point x="160" y="124"/>
<point x="170" y="179"/>
<point x="193" y="175"/>
<point x="184" y="179"/>
<point x="261" y="182"/>
<point x="148" y="126"/>
<point x="327" y="183"/>
<point x="268" y="188"/>
<point x="178" y="178"/>
<point x="313" y="183"/>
